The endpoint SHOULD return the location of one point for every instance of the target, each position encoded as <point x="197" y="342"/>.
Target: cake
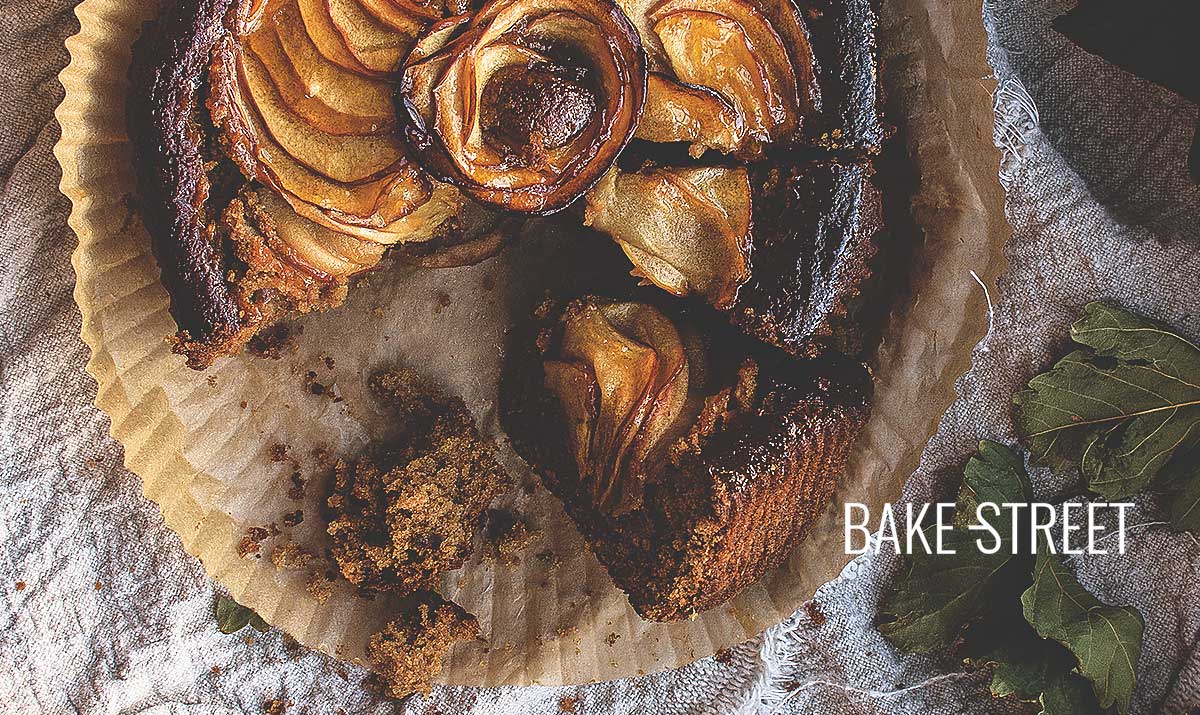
<point x="691" y="457"/>
<point x="694" y="424"/>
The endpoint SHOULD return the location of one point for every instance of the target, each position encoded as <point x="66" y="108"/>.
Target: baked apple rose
<point x="302" y="93"/>
<point x="685" y="229"/>
<point x="729" y="75"/>
<point x="732" y="76"/>
<point x="527" y="103"/>
<point x="621" y="376"/>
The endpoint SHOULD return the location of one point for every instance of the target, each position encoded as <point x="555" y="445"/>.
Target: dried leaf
<point x="1026" y="617"/>
<point x="996" y="475"/>
<point x="1025" y="663"/>
<point x="1121" y="407"/>
<point x="1105" y="640"/>
<point x="258" y="624"/>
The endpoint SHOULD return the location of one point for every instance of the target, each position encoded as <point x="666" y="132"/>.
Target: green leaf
<point x="232" y="616"/>
<point x="1068" y="694"/>
<point x="940" y="593"/>
<point x="1120" y="407"/>
<point x="1026" y="664"/>
<point x="1181" y="480"/>
<point x="258" y="624"/>
<point x="1105" y="640"/>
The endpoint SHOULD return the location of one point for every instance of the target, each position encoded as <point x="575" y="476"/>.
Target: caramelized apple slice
<point x="575" y="386"/>
<point x="621" y="376"/>
<point x="526" y="104"/>
<point x="400" y="14"/>
<point x="377" y="202"/>
<point x="311" y="246"/>
<point x="712" y="50"/>
<point x="342" y="89"/>
<point x="328" y="40"/>
<point x="343" y="158"/>
<point x="305" y="99"/>
<point x="372" y="203"/>
<point x="422" y="224"/>
<point x="677" y="112"/>
<point x="687" y="230"/>
<point x="754" y="54"/>
<point x="670" y="388"/>
<point x="378" y="46"/>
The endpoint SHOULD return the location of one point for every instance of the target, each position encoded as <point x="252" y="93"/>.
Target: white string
<point x="991" y="309"/>
<point x="877" y="694"/>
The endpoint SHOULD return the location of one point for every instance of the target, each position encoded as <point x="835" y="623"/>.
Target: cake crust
<point x="166" y="129"/>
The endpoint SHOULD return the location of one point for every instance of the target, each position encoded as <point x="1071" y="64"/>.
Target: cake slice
<point x="782" y="247"/>
<point x="690" y="457"/>
<point x="817" y="226"/>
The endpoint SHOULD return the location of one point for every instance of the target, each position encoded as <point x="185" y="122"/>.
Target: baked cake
<point x="693" y="425"/>
<point x="691" y="457"/>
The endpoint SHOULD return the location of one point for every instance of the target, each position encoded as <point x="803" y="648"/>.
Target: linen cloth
<point x="101" y="611"/>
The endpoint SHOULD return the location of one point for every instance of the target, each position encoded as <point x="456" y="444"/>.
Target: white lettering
<point x="985" y="525"/>
<point x="860" y="527"/>
<point x="1094" y="527"/>
<point x="1067" y="527"/>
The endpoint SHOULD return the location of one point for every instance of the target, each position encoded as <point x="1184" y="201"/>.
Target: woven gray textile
<point x="114" y="617"/>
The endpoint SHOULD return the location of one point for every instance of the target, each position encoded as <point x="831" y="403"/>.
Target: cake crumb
<point x="397" y="530"/>
<point x="98" y="585"/>
<point x="296" y="492"/>
<point x="567" y="704"/>
<point x="407" y="653"/>
<point x="273" y="341"/>
<point x="611" y="638"/>
<point x="505" y="534"/>
<point x="279" y="452"/>
<point x="724" y="656"/>
<point x="252" y="541"/>
<point x="20" y="585"/>
<point x="215" y="670"/>
<point x="211" y="380"/>
<point x="314" y="387"/>
<point x="290" y="556"/>
<point x="276" y="706"/>
<point x="319" y="586"/>
<point x="813" y="609"/>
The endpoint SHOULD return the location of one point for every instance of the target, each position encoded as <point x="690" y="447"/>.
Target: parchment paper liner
<point x="206" y="459"/>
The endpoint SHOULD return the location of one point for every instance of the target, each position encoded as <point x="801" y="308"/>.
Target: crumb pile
<point x="409" y="650"/>
<point x="402" y="519"/>
<point x="398" y="529"/>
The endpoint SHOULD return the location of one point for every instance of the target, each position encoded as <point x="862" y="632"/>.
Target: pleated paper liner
<point x="205" y="444"/>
